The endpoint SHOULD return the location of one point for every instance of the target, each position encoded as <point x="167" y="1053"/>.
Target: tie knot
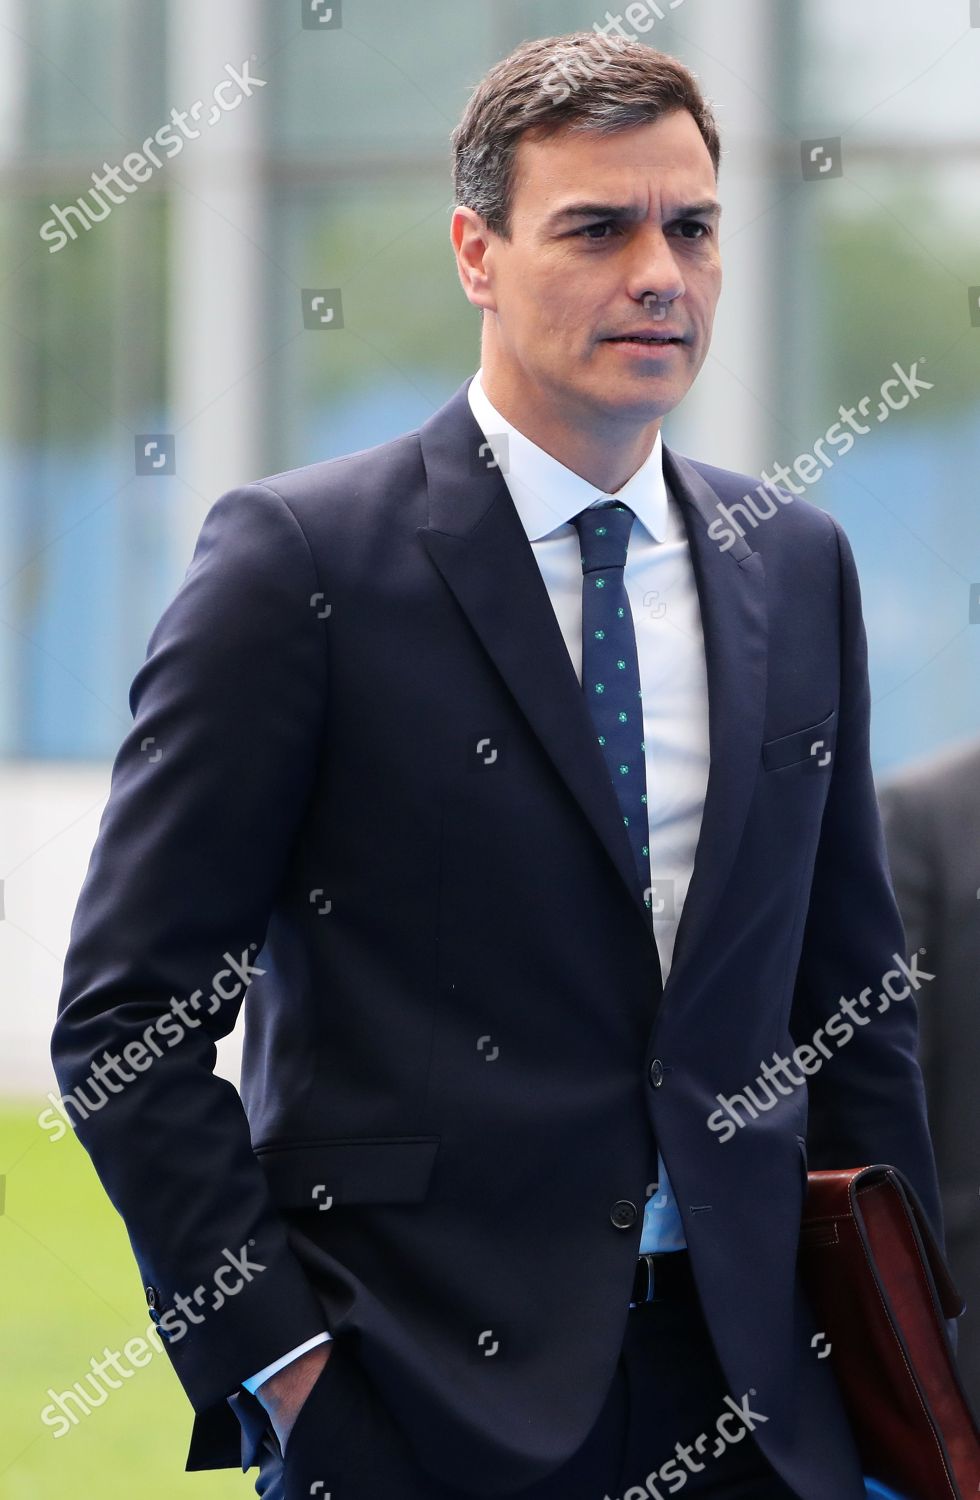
<point x="604" y="531"/>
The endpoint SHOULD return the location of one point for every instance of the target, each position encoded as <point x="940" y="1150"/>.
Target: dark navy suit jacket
<point x="361" y="755"/>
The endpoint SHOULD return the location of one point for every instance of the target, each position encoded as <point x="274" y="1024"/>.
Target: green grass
<point x="69" y="1287"/>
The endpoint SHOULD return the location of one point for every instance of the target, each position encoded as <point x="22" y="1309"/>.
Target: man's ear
<point x="473" y="248"/>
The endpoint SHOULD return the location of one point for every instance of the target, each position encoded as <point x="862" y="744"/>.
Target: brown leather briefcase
<point x="881" y="1291"/>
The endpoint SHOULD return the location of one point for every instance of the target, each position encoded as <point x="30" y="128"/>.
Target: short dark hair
<point x="549" y="83"/>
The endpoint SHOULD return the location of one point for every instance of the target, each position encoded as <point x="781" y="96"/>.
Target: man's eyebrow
<point x="709" y="208"/>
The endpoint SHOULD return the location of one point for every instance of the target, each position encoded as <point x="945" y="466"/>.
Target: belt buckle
<point x="647" y="1257"/>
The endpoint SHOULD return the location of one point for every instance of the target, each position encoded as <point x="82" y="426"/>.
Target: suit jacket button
<point x="623" y="1213"/>
<point x="656" y="1072"/>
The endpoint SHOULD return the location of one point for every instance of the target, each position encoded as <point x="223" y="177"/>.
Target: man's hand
<point x="283" y="1394"/>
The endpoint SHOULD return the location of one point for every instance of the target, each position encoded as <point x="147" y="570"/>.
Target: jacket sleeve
<point x="913" y="871"/>
<point x="912" y="864"/>
<point x="207" y="790"/>
<point x="867" y="1102"/>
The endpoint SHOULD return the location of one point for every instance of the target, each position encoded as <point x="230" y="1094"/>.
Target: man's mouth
<point x="645" y="338"/>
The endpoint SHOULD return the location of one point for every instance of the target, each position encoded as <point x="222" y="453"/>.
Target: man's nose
<point x="655" y="269"/>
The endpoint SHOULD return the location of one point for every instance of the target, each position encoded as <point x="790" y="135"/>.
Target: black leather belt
<point x="663" y="1276"/>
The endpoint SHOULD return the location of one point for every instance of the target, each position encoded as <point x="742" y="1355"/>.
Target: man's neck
<point x="604" y="459"/>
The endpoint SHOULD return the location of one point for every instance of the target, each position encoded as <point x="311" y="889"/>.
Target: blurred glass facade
<point x="890" y="272"/>
<point x="181" y="313"/>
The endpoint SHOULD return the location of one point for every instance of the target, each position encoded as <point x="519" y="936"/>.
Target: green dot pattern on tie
<point x="610" y="669"/>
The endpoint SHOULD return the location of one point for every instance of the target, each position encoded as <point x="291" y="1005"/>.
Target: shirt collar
<point x="546" y="494"/>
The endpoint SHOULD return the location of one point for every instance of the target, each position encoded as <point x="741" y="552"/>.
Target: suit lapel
<point x="476" y="541"/>
<point x="731" y="593"/>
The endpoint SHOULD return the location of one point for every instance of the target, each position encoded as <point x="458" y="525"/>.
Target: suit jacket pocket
<point x="814" y="740"/>
<point x="318" y="1446"/>
<point x="317" y="1175"/>
<point x="313" y="1404"/>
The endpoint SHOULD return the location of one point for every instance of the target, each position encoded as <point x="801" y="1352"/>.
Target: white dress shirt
<point x="662" y="591"/>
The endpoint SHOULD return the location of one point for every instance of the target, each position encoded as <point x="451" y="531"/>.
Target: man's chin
<point x="642" y="399"/>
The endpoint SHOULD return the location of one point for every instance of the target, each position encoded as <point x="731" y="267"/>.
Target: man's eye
<point x="587" y="231"/>
<point x="688" y="229"/>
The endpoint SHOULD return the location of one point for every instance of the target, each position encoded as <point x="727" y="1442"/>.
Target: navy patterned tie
<point x="610" y="672"/>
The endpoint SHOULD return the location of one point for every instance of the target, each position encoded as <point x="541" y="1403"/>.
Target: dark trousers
<point x="668" y="1390"/>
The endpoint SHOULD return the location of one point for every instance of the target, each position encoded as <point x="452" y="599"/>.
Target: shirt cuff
<point x="254" y="1381"/>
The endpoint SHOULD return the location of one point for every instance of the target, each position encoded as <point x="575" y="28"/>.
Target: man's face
<point x="568" y="283"/>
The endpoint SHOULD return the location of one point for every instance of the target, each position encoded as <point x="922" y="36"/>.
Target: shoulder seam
<point x="260" y="485"/>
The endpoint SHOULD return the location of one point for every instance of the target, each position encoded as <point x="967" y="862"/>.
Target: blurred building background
<point x="181" y="314"/>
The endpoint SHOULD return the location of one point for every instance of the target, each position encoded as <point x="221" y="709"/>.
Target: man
<point x="931" y="815"/>
<point x="535" y="814"/>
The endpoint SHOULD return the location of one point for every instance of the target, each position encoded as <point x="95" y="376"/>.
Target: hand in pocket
<point x="325" y="1432"/>
<point x="286" y="1393"/>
